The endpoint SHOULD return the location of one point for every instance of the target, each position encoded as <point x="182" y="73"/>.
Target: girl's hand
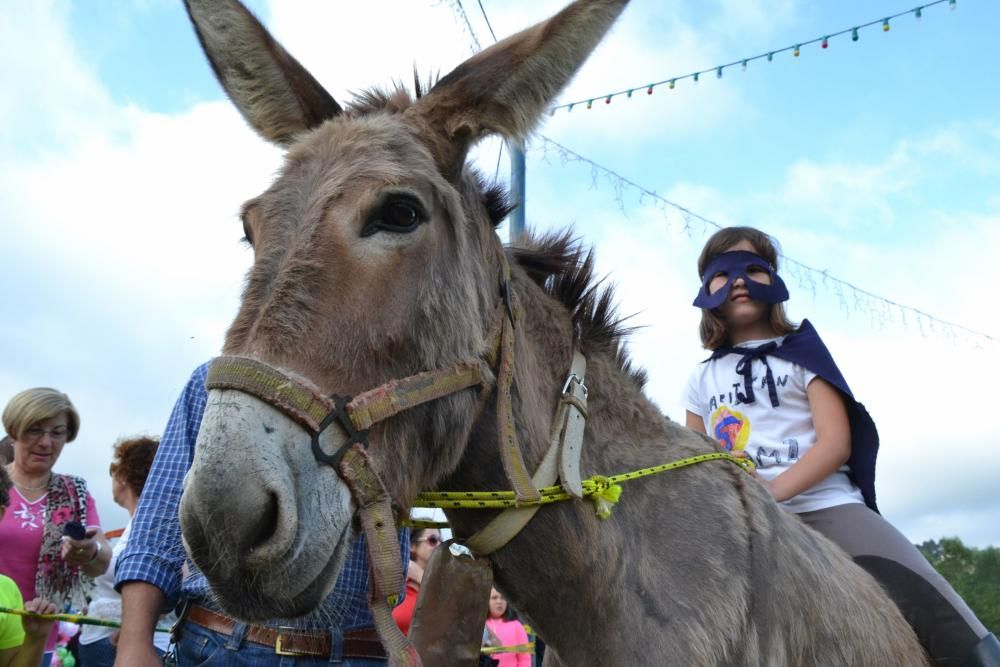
<point x="37" y="628"/>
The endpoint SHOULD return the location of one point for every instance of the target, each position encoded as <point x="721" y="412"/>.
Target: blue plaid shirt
<point x="155" y="554"/>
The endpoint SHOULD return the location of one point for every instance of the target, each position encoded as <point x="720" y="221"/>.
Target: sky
<point x="123" y="167"/>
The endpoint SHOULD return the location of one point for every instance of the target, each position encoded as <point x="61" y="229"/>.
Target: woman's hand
<point x="37" y="628"/>
<point x="80" y="552"/>
<point x="92" y="553"/>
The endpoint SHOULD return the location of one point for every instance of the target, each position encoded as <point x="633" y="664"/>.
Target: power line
<point x="487" y="19"/>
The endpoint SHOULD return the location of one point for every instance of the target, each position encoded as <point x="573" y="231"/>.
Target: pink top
<point x="510" y="633"/>
<point x="21" y="536"/>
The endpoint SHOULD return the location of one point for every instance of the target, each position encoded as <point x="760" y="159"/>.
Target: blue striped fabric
<point x="155" y="555"/>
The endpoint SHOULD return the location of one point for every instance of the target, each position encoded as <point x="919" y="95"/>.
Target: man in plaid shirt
<point x="150" y="574"/>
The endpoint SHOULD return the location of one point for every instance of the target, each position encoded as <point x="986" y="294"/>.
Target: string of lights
<point x="882" y="311"/>
<point x="796" y="48"/>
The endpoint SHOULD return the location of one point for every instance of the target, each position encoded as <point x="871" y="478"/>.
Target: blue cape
<point x="805" y="348"/>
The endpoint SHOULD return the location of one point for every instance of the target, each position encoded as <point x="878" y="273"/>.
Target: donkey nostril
<point x="267" y="523"/>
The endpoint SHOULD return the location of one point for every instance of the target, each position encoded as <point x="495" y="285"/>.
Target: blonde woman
<point x="36" y="554"/>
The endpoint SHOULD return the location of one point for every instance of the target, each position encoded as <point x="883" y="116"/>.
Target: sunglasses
<point x="433" y="540"/>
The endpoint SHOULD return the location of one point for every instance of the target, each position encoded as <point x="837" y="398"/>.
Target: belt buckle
<point x="278" y="648"/>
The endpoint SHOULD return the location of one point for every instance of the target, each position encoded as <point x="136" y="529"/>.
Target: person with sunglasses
<point x="423" y="541"/>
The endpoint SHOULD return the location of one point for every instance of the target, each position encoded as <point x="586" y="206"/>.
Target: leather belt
<point x="291" y="641"/>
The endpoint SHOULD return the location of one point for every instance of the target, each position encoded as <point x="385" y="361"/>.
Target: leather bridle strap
<point x="379" y="526"/>
<point x="315" y="412"/>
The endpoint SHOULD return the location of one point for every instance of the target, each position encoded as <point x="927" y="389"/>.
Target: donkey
<point x="376" y="258"/>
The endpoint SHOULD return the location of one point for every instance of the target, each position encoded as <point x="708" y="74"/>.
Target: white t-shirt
<point x="774" y="438"/>
<point x="107" y="603"/>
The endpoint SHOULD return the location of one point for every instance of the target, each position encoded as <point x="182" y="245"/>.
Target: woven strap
<point x="378" y="523"/>
<point x="395" y="396"/>
<point x="306" y="405"/>
<point x="510" y="449"/>
<point x="300" y="401"/>
<point x="503" y="527"/>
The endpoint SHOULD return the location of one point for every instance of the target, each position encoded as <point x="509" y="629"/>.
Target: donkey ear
<point x="276" y="94"/>
<point x="506" y="88"/>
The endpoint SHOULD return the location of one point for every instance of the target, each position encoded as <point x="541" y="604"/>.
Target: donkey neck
<point x="564" y="545"/>
<point x="544" y="345"/>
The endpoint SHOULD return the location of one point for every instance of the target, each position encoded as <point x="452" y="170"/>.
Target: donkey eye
<point x="399" y="215"/>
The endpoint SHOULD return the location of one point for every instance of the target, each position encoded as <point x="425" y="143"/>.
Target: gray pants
<point x="945" y="625"/>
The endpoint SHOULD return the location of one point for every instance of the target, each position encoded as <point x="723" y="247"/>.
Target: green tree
<point x="973" y="572"/>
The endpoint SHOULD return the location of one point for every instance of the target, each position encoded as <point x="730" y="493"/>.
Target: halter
<point x="314" y="412"/>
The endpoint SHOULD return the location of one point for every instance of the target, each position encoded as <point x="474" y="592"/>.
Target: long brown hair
<point x="712" y="329"/>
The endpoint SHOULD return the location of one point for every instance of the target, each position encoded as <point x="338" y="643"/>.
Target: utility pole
<point x="517" y="193"/>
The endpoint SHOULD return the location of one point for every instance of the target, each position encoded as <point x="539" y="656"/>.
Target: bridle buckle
<point x="340" y="416"/>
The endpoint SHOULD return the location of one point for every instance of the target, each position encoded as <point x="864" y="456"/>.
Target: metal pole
<point x="517" y="190"/>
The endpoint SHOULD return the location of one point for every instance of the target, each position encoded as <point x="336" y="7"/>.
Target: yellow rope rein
<point x="604" y="492"/>
<point x="516" y="648"/>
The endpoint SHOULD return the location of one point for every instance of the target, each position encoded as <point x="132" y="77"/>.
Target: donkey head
<point x="374" y="258"/>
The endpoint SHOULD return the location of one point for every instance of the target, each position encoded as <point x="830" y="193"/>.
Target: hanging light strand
<point x="881" y="310"/>
<point x="823" y="40"/>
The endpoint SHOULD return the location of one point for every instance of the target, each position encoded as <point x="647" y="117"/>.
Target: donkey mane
<point x="396" y="98"/>
<point x="560" y="264"/>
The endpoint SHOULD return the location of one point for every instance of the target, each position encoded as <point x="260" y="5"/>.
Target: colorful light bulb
<point x="590" y="104"/>
<point x="885" y="25"/>
<point x="825" y="43"/>
<point x="918" y="12"/>
<point x="854" y="34"/>
<point x="649" y="91"/>
<point x="796" y="51"/>
<point x="671" y="84"/>
<point x="952" y="5"/>
<point x="770" y="56"/>
<point x="744" y="65"/>
<point x="696" y="77"/>
<point x="718" y="72"/>
<point x="607" y="100"/>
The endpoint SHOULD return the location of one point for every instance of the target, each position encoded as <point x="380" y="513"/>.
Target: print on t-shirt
<point x="786" y="453"/>
<point x="30" y="517"/>
<point x="730" y="428"/>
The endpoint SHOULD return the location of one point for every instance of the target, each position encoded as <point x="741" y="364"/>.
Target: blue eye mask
<point x="737" y="264"/>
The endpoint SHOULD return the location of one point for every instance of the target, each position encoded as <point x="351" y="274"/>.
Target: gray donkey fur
<point x="376" y="258"/>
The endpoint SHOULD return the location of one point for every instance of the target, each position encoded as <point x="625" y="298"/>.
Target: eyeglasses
<point x="433" y="540"/>
<point x="35" y="433"/>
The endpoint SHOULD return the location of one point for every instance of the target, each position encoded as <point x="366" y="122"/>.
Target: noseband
<point x="307" y="406"/>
